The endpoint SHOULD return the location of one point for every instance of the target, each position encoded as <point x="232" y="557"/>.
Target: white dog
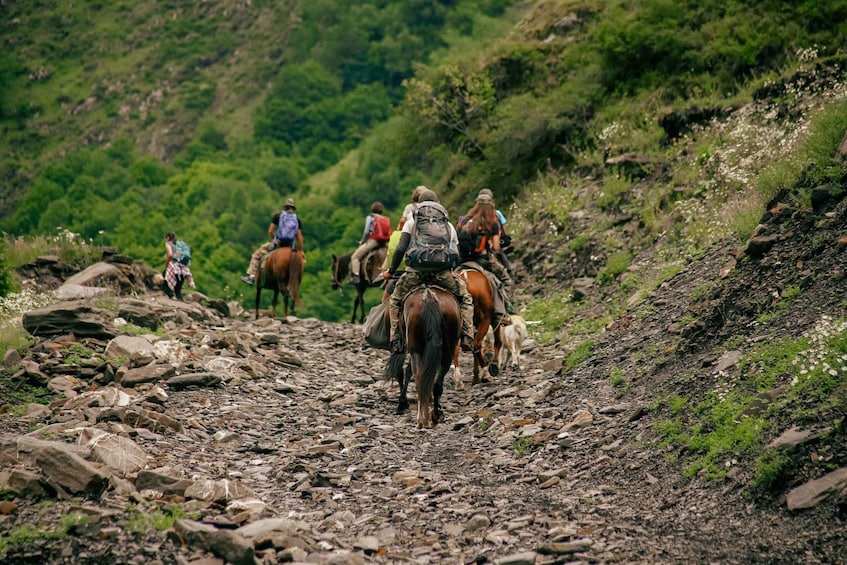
<point x="514" y="336"/>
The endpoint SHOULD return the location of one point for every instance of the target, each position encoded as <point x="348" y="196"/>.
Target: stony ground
<point x="287" y="447"/>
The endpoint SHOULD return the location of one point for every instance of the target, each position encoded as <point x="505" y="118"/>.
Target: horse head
<point x="336" y="278"/>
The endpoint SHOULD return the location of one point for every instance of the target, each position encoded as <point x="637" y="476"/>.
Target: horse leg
<point x="274" y="302"/>
<point x="479" y="360"/>
<point x="457" y="375"/>
<point x="258" y="294"/>
<point x="362" y="304"/>
<point x="424" y="396"/>
<point x="355" y="307"/>
<point x="494" y="367"/>
<point x="438" y="389"/>
<point x="398" y="371"/>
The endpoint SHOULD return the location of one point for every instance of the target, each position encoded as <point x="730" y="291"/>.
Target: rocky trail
<point x="276" y="440"/>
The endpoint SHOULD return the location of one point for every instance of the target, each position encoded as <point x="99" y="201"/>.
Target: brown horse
<point x="484" y="317"/>
<point x="432" y="324"/>
<point x="371" y="276"/>
<point x="281" y="272"/>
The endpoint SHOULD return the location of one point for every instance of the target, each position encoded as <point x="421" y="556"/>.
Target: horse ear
<point x="334" y="257"/>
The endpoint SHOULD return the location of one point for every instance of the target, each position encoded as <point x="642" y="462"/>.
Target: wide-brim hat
<point x="486" y="192"/>
<point x="289" y="203"/>
<point x="484" y="199"/>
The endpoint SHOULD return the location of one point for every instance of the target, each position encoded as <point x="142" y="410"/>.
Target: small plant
<point x="677" y="403"/>
<point x="108" y="303"/>
<point x="772" y="469"/>
<point x="700" y="292"/>
<point x="159" y="520"/>
<point x="786" y="297"/>
<point x="27" y="535"/>
<point x="522" y="446"/>
<point x="616" y="265"/>
<point x="579" y="354"/>
<point x="616" y="377"/>
<point x="485" y="420"/>
<point x="75" y="353"/>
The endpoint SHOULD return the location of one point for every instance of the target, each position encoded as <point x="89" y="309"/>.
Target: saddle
<point x="496" y="290"/>
<point x="372" y="265"/>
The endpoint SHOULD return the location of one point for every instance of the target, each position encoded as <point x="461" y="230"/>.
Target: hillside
<point x="677" y="205"/>
<point x="210" y="439"/>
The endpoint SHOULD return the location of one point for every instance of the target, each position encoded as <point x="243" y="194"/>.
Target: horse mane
<point x="343" y="266"/>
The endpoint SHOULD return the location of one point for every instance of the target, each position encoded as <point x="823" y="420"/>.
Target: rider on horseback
<point x="430" y="258"/>
<point x="292" y="238"/>
<point x="376" y="234"/>
<point x="479" y="241"/>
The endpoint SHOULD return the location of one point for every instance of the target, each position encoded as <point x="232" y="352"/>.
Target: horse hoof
<point x="493" y="370"/>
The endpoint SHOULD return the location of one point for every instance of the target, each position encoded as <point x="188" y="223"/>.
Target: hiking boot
<point x="354" y="280"/>
<point x="467" y="343"/>
<point x="248" y="279"/>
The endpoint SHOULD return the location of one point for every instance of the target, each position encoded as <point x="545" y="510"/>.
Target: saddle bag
<point x="377" y="328"/>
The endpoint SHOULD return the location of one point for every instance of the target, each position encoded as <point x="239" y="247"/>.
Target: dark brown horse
<point x="371" y="276"/>
<point x="432" y="324"/>
<point x="281" y="272"/>
<point x="484" y="317"/>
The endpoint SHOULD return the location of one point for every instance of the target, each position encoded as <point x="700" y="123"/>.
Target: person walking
<point x="177" y="271"/>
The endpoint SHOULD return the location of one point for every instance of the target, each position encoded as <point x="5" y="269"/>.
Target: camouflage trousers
<point x="256" y="258"/>
<point x="410" y="280"/>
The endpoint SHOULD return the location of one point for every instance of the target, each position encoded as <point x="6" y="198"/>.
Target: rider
<point x="392" y="246"/>
<point x="505" y="239"/>
<point x="376" y="234"/>
<point x="273" y="242"/>
<point x="419" y="272"/>
<point x="410" y="208"/>
<point x="483" y="217"/>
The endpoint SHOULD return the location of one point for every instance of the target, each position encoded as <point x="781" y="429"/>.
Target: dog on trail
<point x="514" y="336"/>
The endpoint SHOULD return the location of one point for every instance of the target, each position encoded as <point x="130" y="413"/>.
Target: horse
<point x="484" y="317"/>
<point x="281" y="271"/>
<point x="371" y="266"/>
<point x="432" y="324"/>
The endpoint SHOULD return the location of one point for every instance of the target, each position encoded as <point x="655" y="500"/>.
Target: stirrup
<point x="467" y="343"/>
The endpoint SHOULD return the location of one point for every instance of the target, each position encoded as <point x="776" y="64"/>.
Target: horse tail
<point x="295" y="273"/>
<point x="394" y="368"/>
<point x="434" y="327"/>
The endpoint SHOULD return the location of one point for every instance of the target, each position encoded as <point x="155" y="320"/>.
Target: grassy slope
<point x="133" y="69"/>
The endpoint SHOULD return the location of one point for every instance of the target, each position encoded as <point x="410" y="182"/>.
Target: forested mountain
<point x="675" y="178"/>
<point x="124" y="120"/>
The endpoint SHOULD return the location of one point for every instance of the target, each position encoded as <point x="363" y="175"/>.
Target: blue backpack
<point x="182" y="252"/>
<point x="288" y="226"/>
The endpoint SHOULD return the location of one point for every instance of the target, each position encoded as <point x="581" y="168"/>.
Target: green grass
<point x="522" y="446"/>
<point x="158" y="519"/>
<point x="30" y="534"/>
<point x="617" y="378"/>
<point x="719" y="431"/>
<point x="578" y="355"/>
